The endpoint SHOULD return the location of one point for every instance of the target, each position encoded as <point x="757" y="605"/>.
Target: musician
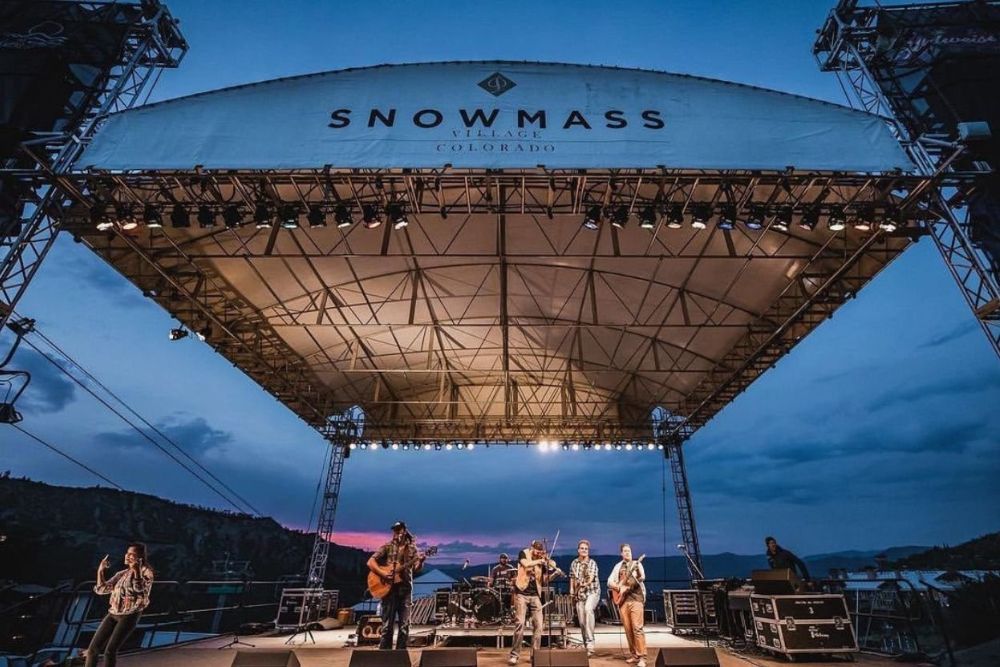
<point x="397" y="558"/>
<point x="778" y="557"/>
<point x="502" y="570"/>
<point x="129" y="590"/>
<point x="627" y="577"/>
<point x="585" y="590"/>
<point x="532" y="564"/>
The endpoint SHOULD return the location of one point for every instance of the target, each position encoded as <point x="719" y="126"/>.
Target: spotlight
<point x="448" y="446"/>
<point x="342" y="216"/>
<point x="179" y="216"/>
<point x="126" y="217"/>
<point x="177" y="334"/>
<point x="836" y="221"/>
<point x="397" y="215"/>
<point x="618" y="446"/>
<point x="593" y="218"/>
<point x="628" y="446"/>
<point x="406" y="446"/>
<point x="315" y="217"/>
<point x="289" y="214"/>
<point x="650" y="446"/>
<point x="354" y="445"/>
<point x="863" y="221"/>
<point x="543" y="445"/>
<point x="262" y="215"/>
<point x="783" y="219"/>
<point x="471" y="445"/>
<point x="700" y="215"/>
<point x="370" y="216"/>
<point x="809" y="219"/>
<point x="675" y="216"/>
<point x="99" y="217"/>
<point x="437" y="446"/>
<point x="755" y="220"/>
<point x="395" y="445"/>
<point x="364" y="445"/>
<point x="727" y="217"/>
<point x="231" y="217"/>
<point x="460" y="445"/>
<point x="647" y="217"/>
<point x="890" y="222"/>
<point x="151" y="216"/>
<point x="427" y="446"/>
<point x="607" y="446"/>
<point x="206" y="217"/>
<point x="620" y="217"/>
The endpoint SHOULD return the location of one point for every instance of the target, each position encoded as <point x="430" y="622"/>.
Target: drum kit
<point x="476" y="602"/>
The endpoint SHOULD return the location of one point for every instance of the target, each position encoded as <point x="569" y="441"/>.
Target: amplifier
<point x="369" y="630"/>
<point x="687" y="609"/>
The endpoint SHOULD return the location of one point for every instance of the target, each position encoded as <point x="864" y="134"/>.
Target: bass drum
<point x="486" y="605"/>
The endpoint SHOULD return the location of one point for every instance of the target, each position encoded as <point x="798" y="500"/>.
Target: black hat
<point x="399" y="524"/>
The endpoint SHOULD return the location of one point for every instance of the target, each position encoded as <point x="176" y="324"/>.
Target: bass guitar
<point x="618" y="596"/>
<point x="379" y="586"/>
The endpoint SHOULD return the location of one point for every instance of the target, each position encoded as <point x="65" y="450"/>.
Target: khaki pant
<point x="631" y="612"/>
<point x="522" y="604"/>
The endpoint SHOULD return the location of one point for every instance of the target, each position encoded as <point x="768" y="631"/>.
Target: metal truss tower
<point x="673" y="449"/>
<point x="327" y="514"/>
<point x="852" y="44"/>
<point x="151" y="43"/>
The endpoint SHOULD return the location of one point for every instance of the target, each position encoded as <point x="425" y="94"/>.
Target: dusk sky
<point x="879" y="429"/>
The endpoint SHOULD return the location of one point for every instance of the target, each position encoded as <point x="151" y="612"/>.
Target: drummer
<point x="501" y="571"/>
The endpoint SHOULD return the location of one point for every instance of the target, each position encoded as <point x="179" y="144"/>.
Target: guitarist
<point x="585" y="590"/>
<point x="626" y="581"/>
<point x="397" y="559"/>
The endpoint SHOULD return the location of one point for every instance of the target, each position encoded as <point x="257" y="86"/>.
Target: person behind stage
<point x="628" y="576"/>
<point x="129" y="590"/>
<point x="398" y="556"/>
<point x="778" y="557"/>
<point x="585" y="591"/>
<point x="531" y="563"/>
<point x="501" y="570"/>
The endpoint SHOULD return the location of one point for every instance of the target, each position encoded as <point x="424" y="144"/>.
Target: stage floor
<point x="331" y="650"/>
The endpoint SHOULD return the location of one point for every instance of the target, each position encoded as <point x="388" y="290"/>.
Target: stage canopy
<point x="498" y="251"/>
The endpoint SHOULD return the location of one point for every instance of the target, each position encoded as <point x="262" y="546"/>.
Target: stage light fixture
<point x="342" y="216"/>
<point x="395" y="445"/>
<point x="809" y="219"/>
<point x="647" y="217"/>
<point x="289" y="215"/>
<point x="755" y="219"/>
<point x="151" y="217"/>
<point x="675" y="217"/>
<point x="700" y="215"/>
<point x="607" y="446"/>
<point x="179" y="216"/>
<point x="231" y="217"/>
<point x="448" y="446"/>
<point x="364" y="445"/>
<point x="471" y="445"/>
<point x="836" y="221"/>
<point x="890" y="221"/>
<point x="592" y="220"/>
<point x="460" y="445"/>
<point x="618" y="446"/>
<point x="354" y="445"/>
<point x="575" y="446"/>
<point x="397" y="215"/>
<point x="99" y="217"/>
<point x="126" y="217"/>
<point x="406" y="446"/>
<point x="628" y="446"/>
<point x="783" y="219"/>
<point x="427" y="446"/>
<point x="262" y="215"/>
<point x="650" y="446"/>
<point x="620" y="217"/>
<point x="863" y="219"/>
<point x="316" y="217"/>
<point x="370" y="216"/>
<point x="178" y="333"/>
<point x="206" y="216"/>
<point x="727" y="217"/>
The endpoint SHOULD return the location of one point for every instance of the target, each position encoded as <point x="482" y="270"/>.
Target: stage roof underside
<point x="495" y="315"/>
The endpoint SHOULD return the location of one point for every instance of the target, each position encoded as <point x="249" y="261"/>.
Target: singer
<point x="129" y="590"/>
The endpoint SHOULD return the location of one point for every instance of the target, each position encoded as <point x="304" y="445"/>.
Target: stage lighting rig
<point x="755" y="219"/>
<point x="178" y="333"/>
<point x="647" y="217"/>
<point x="727" y="217"/>
<point x="836" y="221"/>
<point x="397" y="215"/>
<point x="206" y="217"/>
<point x="289" y="214"/>
<point x="675" y="216"/>
<point x="700" y="215"/>
<point x="783" y="218"/>
<point x="619" y="218"/>
<point x="342" y="216"/>
<point x="809" y="219"/>
<point x="231" y="217"/>
<point x="370" y="217"/>
<point x="179" y="217"/>
<point x="151" y="217"/>
<point x="262" y="215"/>
<point x="592" y="220"/>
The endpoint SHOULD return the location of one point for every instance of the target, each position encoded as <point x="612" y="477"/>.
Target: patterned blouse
<point x="585" y="571"/>
<point x="129" y="593"/>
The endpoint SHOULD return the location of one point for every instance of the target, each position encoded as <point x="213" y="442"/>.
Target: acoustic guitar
<point x="618" y="596"/>
<point x="380" y="586"/>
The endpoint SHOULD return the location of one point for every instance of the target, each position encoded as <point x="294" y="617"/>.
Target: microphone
<point x="465" y="564"/>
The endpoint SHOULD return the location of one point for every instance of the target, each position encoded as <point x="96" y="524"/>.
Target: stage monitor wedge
<point x="700" y="656"/>
<point x="265" y="658"/>
<point x="449" y="657"/>
<point x="377" y="658"/>
<point x="559" y="658"/>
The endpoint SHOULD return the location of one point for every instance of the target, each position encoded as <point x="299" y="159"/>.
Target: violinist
<point x="532" y="566"/>
<point x="627" y="579"/>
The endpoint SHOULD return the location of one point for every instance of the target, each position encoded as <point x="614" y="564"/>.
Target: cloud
<point x="195" y="436"/>
<point x="958" y="331"/>
<point x="49" y="390"/>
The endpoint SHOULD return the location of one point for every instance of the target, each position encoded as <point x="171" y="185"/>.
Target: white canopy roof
<point x="495" y="115"/>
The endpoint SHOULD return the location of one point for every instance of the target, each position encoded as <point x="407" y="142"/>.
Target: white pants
<point x="585" y="614"/>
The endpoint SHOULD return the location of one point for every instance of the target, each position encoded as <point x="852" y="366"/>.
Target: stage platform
<point x="331" y="649"/>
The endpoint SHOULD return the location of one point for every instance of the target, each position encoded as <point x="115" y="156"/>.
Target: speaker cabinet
<point x="265" y="658"/>
<point x="449" y="657"/>
<point x="559" y="658"/>
<point x="687" y="657"/>
<point x="376" y="658"/>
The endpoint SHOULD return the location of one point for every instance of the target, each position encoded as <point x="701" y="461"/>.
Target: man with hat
<point x="502" y="570"/>
<point x="397" y="560"/>
<point x="528" y="582"/>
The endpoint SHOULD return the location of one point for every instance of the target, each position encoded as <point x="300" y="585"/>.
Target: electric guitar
<point x="380" y="586"/>
<point x="618" y="596"/>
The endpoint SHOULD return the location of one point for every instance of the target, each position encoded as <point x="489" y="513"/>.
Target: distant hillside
<point x="982" y="553"/>
<point x="55" y="533"/>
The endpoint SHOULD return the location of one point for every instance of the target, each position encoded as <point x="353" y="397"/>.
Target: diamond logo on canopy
<point x="496" y="84"/>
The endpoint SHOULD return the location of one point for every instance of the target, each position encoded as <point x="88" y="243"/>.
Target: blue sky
<point x="879" y="429"/>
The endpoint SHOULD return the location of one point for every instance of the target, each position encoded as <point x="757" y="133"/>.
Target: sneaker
<point x="631" y="660"/>
<point x="641" y="663"/>
<point x="512" y="660"/>
<point x="591" y="653"/>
